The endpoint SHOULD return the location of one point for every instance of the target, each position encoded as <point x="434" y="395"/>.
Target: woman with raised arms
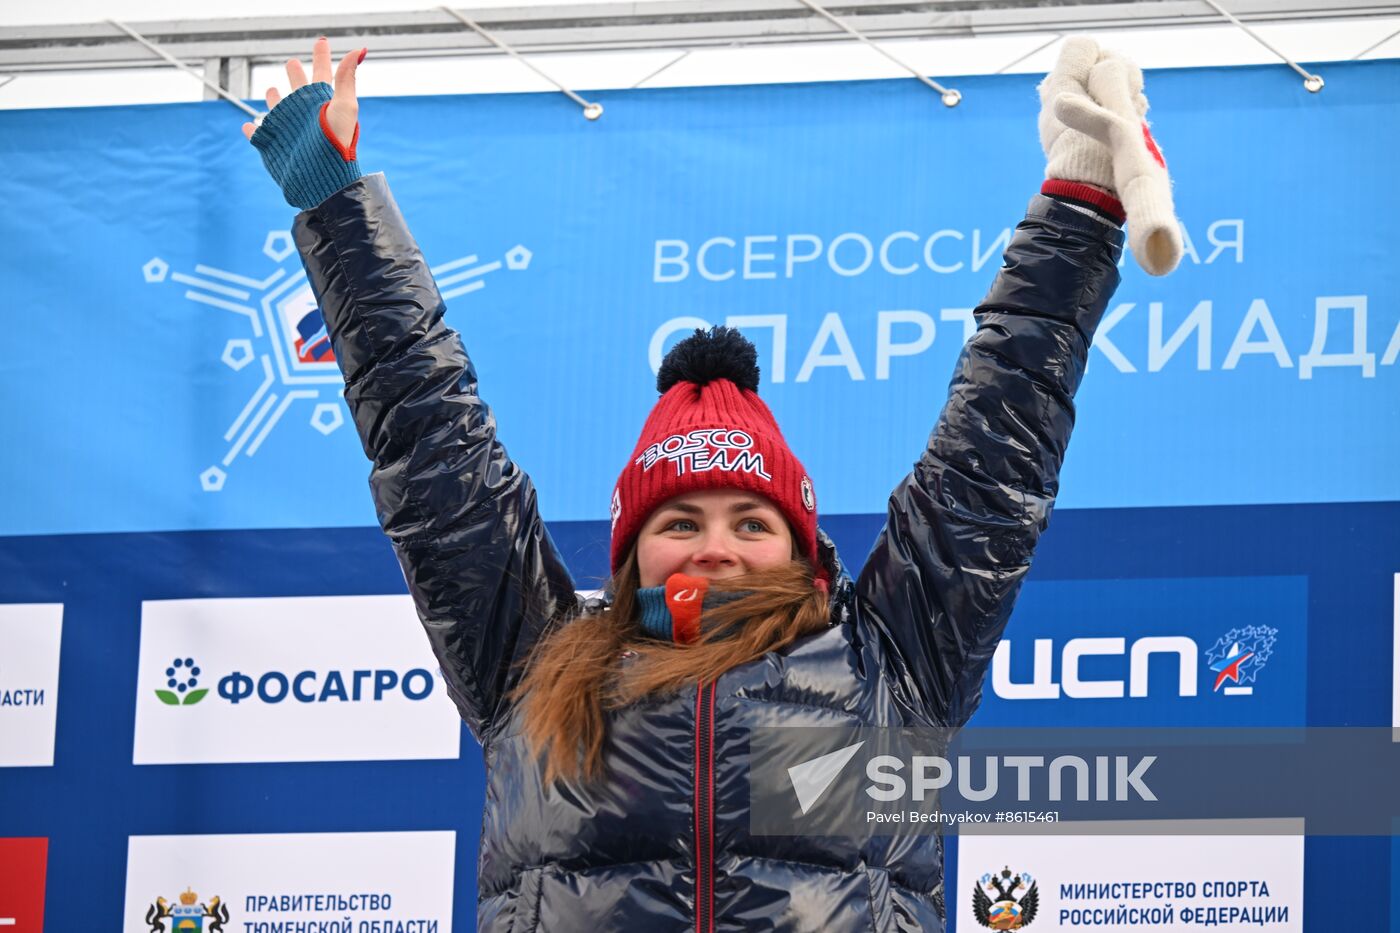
<point x="616" y="731"/>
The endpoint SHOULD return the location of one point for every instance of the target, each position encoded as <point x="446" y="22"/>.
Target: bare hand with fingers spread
<point x="308" y="138"/>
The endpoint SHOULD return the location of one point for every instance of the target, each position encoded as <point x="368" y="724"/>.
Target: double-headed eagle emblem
<point x="996" y="905"/>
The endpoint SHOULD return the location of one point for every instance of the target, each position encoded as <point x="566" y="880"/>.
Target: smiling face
<point x="715" y="534"/>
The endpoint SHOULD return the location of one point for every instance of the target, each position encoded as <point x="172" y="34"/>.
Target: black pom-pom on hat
<point x="703" y="357"/>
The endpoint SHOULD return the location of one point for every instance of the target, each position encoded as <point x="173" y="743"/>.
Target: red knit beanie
<point x="710" y="430"/>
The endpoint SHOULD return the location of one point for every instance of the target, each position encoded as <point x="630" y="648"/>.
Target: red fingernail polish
<point x="363" y="53"/>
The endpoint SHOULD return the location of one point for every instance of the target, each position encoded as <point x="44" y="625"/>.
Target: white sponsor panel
<point x="323" y="678"/>
<point x="388" y="881"/>
<point x="1395" y="666"/>
<point x="30" y="636"/>
<point x="1115" y="883"/>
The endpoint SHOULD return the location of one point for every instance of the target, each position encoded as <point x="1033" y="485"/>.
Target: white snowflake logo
<point x="288" y="339"/>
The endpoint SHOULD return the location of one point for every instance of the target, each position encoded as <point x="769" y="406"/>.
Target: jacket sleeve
<point x="484" y="575"/>
<point x="941" y="580"/>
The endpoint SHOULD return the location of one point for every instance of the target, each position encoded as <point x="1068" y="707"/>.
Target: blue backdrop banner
<point x="155" y="298"/>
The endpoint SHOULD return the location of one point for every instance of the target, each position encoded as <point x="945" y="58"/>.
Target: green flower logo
<point x="182" y="677"/>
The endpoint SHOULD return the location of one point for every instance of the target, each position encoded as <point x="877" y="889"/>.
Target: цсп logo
<point x="1074" y="681"/>
<point x="1240" y="655"/>
<point x="287" y="332"/>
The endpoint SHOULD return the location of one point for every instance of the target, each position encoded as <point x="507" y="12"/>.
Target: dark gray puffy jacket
<point x="664" y="844"/>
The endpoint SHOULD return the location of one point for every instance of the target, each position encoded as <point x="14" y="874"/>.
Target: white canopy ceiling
<point x="1332" y="31"/>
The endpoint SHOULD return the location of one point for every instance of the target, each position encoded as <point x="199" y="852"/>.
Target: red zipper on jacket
<point x="705" y="808"/>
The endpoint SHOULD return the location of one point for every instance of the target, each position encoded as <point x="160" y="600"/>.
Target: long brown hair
<point x="575" y="675"/>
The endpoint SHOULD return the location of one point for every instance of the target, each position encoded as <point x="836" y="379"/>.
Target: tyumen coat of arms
<point x="996" y="905"/>
<point x="188" y="916"/>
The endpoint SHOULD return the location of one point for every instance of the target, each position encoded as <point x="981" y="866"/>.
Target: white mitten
<point x="1113" y="113"/>
<point x="1071" y="155"/>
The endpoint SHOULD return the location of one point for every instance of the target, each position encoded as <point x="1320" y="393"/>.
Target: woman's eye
<point x="753" y="526"/>
<point x="681" y="524"/>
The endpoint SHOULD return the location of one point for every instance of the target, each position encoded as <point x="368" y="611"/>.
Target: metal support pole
<point x="239" y="75"/>
<point x="951" y="96"/>
<point x="214" y="70"/>
<point x="231" y="74"/>
<point x="591" y="110"/>
<point x="187" y="69"/>
<point x="1016" y="61"/>
<point x="1312" y="82"/>
<point x="662" y="68"/>
<point x="1375" y="45"/>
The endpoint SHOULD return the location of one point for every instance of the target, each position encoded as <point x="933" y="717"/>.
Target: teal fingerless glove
<point x="299" y="151"/>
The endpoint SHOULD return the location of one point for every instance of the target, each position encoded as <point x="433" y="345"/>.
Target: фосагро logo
<point x="182" y="681"/>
